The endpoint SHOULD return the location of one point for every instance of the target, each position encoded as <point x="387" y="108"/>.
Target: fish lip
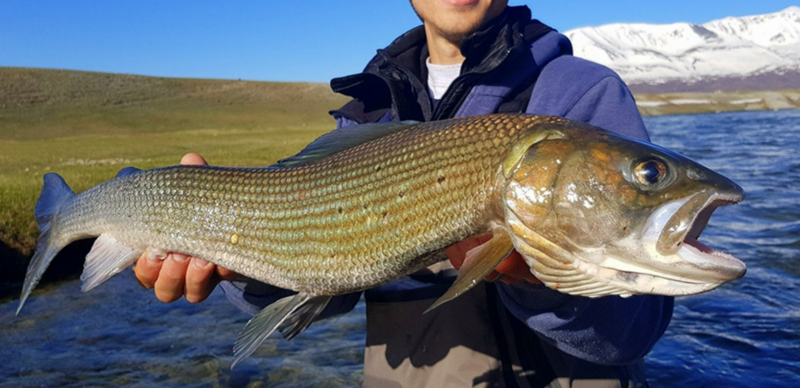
<point x="701" y="219"/>
<point x="689" y="219"/>
<point x="699" y="263"/>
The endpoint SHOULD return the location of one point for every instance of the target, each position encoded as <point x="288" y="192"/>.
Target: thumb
<point x="193" y="159"/>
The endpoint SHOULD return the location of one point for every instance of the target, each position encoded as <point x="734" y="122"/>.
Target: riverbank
<point x="717" y="102"/>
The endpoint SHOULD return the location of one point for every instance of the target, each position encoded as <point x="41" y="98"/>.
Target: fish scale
<point x="353" y="220"/>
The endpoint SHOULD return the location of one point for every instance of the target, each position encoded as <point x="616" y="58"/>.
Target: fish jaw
<point x="635" y="265"/>
<point x="669" y="259"/>
<point x="671" y="234"/>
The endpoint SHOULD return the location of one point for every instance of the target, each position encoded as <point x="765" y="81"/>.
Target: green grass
<point x="87" y="126"/>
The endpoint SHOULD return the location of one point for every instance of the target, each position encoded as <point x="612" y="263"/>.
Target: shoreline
<point x="660" y="104"/>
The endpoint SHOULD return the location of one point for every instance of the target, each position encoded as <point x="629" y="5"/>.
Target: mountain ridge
<point x="688" y="57"/>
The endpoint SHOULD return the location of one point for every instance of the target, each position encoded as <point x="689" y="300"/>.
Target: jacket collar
<point x="395" y="78"/>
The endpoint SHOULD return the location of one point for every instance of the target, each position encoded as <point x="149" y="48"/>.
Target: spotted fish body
<point x="360" y="207"/>
<point x="359" y="218"/>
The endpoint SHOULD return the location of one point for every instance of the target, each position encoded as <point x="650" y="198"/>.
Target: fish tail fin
<point x="54" y="194"/>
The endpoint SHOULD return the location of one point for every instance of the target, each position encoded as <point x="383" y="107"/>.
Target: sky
<point x="271" y="40"/>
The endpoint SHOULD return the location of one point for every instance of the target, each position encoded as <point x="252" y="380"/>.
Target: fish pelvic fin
<point x="55" y="193"/>
<point x="290" y="315"/>
<point x="478" y="263"/>
<point x="107" y="258"/>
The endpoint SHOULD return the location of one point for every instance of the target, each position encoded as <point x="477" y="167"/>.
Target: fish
<point x="593" y="213"/>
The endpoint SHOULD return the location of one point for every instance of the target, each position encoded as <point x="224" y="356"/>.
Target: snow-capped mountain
<point x="761" y="51"/>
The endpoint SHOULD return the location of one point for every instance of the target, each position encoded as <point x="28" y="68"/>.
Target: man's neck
<point x="443" y="50"/>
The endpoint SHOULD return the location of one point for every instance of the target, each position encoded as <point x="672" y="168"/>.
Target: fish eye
<point x="649" y="173"/>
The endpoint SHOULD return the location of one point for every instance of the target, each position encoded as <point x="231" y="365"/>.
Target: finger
<point x="200" y="280"/>
<point x="508" y="263"/>
<point x="193" y="159"/>
<point x="505" y="265"/>
<point x="482" y="239"/>
<point x="147" y="270"/>
<point x="515" y="268"/>
<point x="226" y="274"/>
<point x="455" y="256"/>
<point x="493" y="276"/>
<point x="170" y="284"/>
<point x="457" y="252"/>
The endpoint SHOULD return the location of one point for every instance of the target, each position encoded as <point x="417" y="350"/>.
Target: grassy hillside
<point x="86" y="126"/>
<point x="40" y="104"/>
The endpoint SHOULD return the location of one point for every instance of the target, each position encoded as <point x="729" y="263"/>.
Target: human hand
<point x="178" y="274"/>
<point x="511" y="270"/>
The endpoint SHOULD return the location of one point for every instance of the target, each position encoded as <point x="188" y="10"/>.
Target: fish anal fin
<point x="478" y="263"/>
<point x="291" y="315"/>
<point x="302" y="318"/>
<point x="107" y="258"/>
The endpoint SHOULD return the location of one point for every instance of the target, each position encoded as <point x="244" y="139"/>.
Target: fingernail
<point x="152" y="259"/>
<point x="200" y="263"/>
<point x="179" y="257"/>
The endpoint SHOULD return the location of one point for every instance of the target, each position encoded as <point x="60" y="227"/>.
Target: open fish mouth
<point x="710" y="264"/>
<point x="677" y="263"/>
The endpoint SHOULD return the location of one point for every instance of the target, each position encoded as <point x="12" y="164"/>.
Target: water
<point x="744" y="334"/>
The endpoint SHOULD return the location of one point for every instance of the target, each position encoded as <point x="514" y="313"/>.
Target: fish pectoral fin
<point x="290" y="315"/>
<point x="478" y="263"/>
<point x="107" y="258"/>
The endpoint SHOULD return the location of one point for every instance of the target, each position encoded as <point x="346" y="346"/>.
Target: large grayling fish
<point x="592" y="213"/>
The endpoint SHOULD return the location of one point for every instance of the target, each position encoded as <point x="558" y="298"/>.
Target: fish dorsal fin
<point x="340" y="140"/>
<point x="130" y="170"/>
<point x="291" y="315"/>
<point x="478" y="263"/>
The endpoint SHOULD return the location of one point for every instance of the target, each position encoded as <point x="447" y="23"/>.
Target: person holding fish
<point x="471" y="57"/>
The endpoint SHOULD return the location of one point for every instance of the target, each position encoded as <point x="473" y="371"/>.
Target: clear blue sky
<point x="270" y="40"/>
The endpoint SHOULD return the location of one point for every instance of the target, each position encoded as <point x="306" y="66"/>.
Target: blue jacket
<point x="521" y="66"/>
